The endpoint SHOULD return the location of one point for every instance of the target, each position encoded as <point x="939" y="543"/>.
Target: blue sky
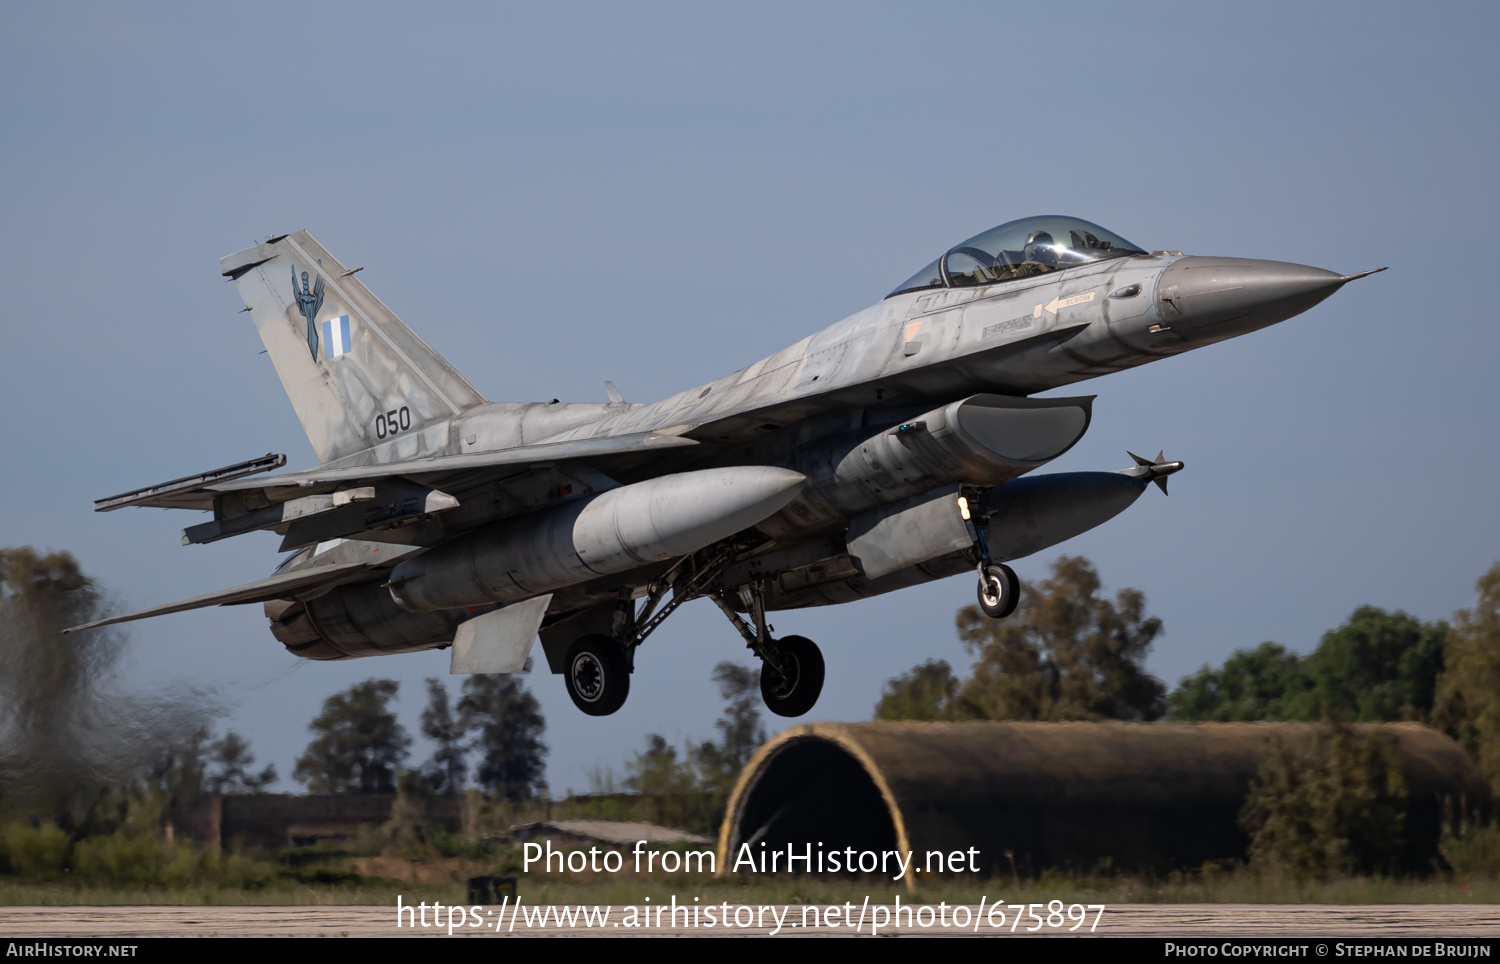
<point x="660" y="194"/>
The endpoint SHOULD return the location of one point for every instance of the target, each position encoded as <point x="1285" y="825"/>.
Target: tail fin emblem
<point x="308" y="302"/>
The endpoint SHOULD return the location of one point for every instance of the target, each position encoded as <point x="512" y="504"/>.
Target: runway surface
<point x="1434" y="921"/>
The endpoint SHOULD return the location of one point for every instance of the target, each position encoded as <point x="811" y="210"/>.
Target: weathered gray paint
<point x="498" y="641"/>
<point x="905" y="533"/>
<point x="484" y="499"/>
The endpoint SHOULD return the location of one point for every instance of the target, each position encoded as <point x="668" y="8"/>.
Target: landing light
<point x="963" y="507"/>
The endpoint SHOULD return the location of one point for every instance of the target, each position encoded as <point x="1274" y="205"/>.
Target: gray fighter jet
<point x="890" y="449"/>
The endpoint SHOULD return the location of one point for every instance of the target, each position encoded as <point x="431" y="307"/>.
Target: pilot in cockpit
<point x="1040" y="249"/>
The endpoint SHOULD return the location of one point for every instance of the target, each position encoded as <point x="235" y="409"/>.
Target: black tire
<point x="999" y="591"/>
<point x="595" y="675"/>
<point x="795" y="688"/>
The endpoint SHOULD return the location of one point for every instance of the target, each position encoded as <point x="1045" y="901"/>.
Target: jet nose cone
<point x="1239" y="294"/>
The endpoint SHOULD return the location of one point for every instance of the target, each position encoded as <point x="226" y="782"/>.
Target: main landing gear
<point x="792" y="687"/>
<point x="596" y="675"/>
<point x="597" y="668"/>
<point x="791" y="673"/>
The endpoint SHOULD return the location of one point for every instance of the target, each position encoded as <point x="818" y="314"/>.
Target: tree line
<point x="360" y="747"/>
<point x="1070" y="653"/>
<point x="75" y="745"/>
<point x="70" y="737"/>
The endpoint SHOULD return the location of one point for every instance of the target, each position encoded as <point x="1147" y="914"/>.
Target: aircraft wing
<point x="573" y="450"/>
<point x="198" y="492"/>
<point x="261" y="590"/>
<point x="747" y="410"/>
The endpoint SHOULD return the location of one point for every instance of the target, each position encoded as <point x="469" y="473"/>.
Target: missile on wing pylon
<point x="1038" y="512"/>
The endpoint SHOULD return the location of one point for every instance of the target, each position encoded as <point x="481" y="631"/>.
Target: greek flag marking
<point x="336" y="336"/>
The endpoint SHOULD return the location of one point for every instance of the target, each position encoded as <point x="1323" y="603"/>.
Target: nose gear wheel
<point x="999" y="590"/>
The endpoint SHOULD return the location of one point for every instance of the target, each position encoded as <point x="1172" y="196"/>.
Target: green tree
<point x="179" y="774"/>
<point x="509" y="725"/>
<point x="1265" y="683"/>
<point x="231" y="760"/>
<point x="448" y="770"/>
<point x="659" y="771"/>
<point x="68" y="735"/>
<point x="740" y="729"/>
<point x="1468" y="692"/>
<point x="50" y="690"/>
<point x="1334" y="806"/>
<point x="1377" y="666"/>
<point x="358" y="746"/>
<point x="408" y="830"/>
<point x="924" y="693"/>
<point x="1064" y="654"/>
<point x="689" y="789"/>
<point x="684" y="790"/>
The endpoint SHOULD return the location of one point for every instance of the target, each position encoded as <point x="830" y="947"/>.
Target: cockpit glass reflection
<point x="1021" y="249"/>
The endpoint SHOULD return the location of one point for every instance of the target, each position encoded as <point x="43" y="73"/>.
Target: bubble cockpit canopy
<point x="1020" y="249"/>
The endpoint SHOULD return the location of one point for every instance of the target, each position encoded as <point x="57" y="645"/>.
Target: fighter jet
<point x="892" y="448"/>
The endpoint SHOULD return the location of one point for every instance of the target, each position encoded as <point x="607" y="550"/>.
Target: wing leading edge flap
<point x="261" y="590"/>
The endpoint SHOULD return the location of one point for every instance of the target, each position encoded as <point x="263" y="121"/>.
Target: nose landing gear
<point x="999" y="589"/>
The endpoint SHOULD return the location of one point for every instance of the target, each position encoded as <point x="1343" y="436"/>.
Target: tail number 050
<point x="392" y="422"/>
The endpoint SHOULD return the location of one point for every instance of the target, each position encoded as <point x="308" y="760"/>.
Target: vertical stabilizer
<point x="356" y="375"/>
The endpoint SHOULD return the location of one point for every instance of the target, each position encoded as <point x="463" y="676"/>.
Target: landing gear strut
<point x="999" y="589"/>
<point x="597" y="668"/>
<point x="791" y="674"/>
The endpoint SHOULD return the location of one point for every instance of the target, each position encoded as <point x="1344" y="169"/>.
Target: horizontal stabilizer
<point x="153" y="494"/>
<point x="262" y="590"/>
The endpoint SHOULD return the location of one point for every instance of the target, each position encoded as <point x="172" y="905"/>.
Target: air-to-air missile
<point x="892" y="448"/>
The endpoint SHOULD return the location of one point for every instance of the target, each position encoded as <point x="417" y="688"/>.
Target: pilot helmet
<point x="1039" y="248"/>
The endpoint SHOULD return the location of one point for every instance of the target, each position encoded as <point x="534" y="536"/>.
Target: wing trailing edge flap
<point x="279" y="586"/>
